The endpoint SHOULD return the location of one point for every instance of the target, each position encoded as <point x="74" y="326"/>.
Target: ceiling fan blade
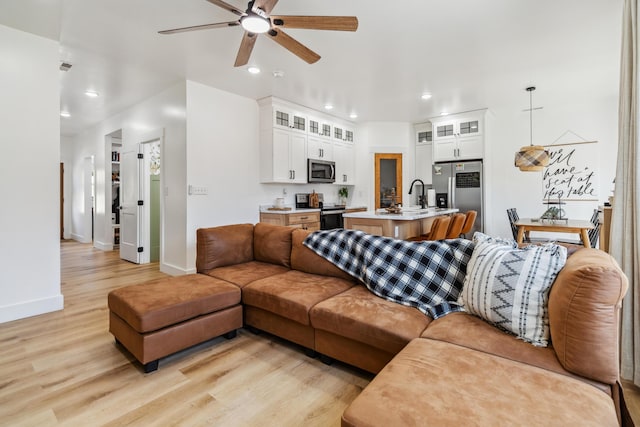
<point x="201" y="27"/>
<point x="293" y="46"/>
<point x="266" y="5"/>
<point x="246" y="47"/>
<point x="228" y="7"/>
<point x="337" y="23"/>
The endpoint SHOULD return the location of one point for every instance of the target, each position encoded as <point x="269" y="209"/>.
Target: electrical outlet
<point x="284" y="191"/>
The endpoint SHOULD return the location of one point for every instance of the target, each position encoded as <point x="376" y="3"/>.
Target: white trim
<point x="24" y="309"/>
<point x="102" y="245"/>
<point x="172" y="270"/>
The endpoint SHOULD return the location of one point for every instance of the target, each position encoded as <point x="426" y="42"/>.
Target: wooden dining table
<point x="576" y="226"/>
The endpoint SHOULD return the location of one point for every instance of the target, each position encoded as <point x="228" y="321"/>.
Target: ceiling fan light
<point x="255" y="24"/>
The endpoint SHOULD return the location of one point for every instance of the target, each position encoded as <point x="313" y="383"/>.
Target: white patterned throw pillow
<point x="509" y="286"/>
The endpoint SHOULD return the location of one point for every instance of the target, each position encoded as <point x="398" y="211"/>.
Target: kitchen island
<point x="410" y="222"/>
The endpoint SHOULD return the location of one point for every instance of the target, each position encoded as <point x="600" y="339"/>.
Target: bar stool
<point x="470" y="219"/>
<point x="455" y="226"/>
<point x="438" y="231"/>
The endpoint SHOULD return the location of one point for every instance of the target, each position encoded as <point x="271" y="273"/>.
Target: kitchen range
<point x="330" y="213"/>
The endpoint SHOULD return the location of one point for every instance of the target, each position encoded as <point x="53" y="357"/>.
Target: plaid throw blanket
<point x="427" y="275"/>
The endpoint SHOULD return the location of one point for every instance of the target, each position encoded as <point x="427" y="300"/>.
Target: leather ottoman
<point x="160" y="317"/>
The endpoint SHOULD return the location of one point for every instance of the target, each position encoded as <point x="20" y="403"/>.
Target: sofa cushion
<point x="292" y="294"/>
<point x="509" y="286"/>
<point x="304" y="259"/>
<point x="162" y="302"/>
<point x="584" y="306"/>
<point x="272" y="243"/>
<point x="441" y="384"/>
<point x="245" y="273"/>
<point x="224" y="245"/>
<point x="470" y="331"/>
<point x="362" y="316"/>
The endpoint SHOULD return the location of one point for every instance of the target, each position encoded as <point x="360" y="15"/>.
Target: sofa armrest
<point x="584" y="309"/>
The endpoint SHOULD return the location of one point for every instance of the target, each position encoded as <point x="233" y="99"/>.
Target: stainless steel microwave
<point x="321" y="171"/>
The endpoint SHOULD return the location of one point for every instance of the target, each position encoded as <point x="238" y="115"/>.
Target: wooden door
<point x="388" y="179"/>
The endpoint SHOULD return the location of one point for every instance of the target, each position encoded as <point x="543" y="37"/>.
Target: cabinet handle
<point x="304" y="217"/>
<point x="294" y="174"/>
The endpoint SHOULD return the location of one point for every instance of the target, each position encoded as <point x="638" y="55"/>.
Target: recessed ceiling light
<point x="353" y="115"/>
<point x="444" y="113"/>
<point x="253" y="70"/>
<point x="278" y="73"/>
<point x="426" y="96"/>
<point x="328" y="107"/>
<point x="65" y="114"/>
<point x="91" y="93"/>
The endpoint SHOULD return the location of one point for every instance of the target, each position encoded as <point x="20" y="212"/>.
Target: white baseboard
<point x="103" y="246"/>
<point x="31" y="308"/>
<point x="80" y="238"/>
<point x="172" y="270"/>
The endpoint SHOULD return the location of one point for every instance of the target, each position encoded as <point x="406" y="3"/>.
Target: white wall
<point x="382" y="137"/>
<point x="165" y="110"/>
<point x="29" y="176"/>
<point x="593" y="118"/>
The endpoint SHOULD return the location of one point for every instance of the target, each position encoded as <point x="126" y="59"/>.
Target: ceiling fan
<point x="257" y="19"/>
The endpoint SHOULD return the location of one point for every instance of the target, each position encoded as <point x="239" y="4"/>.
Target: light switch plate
<point x="195" y="190"/>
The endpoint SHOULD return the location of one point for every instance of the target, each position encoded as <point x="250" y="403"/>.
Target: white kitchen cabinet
<point x="283" y="157"/>
<point x="344" y="156"/>
<point x="424" y="162"/>
<point x="424" y="133"/>
<point x="319" y="148"/>
<point x="284" y="118"/>
<point x="343" y="134"/>
<point x="459" y="138"/>
<point x="319" y="127"/>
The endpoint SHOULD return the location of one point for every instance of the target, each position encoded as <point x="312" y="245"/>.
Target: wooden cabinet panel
<point x="304" y="220"/>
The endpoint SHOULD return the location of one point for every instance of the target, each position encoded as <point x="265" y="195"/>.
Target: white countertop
<point x="407" y="214"/>
<point x="293" y="210"/>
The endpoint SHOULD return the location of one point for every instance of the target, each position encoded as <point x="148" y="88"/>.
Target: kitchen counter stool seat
<point x="160" y="317"/>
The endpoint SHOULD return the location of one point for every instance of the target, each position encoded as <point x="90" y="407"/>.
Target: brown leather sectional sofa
<point x="457" y="370"/>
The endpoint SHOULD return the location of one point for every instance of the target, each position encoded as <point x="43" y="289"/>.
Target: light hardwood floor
<point x="63" y="368"/>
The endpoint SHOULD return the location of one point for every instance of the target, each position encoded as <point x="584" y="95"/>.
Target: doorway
<point x="89" y="192"/>
<point x="61" y="201"/>
<point x="388" y="179"/>
<point x="142" y="203"/>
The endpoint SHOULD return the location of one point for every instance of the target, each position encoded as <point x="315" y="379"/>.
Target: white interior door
<point x="130" y="211"/>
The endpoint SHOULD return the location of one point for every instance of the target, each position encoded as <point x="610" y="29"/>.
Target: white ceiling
<point x="468" y="53"/>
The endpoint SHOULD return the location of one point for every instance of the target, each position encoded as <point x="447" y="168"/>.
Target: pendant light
<point x="531" y="158"/>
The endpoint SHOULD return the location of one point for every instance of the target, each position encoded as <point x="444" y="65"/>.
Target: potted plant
<point x="343" y="193"/>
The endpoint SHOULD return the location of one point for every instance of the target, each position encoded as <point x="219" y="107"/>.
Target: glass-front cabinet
<point x="288" y="119"/>
<point x="459" y="137"/>
<point x="291" y="134"/>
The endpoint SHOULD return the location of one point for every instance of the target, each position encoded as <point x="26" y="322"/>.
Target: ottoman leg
<point x="231" y="334"/>
<point x="150" y="367"/>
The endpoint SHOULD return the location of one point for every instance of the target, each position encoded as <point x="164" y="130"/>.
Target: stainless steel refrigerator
<point x="460" y="185"/>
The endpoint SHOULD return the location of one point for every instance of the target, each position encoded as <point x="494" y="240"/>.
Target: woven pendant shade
<point x="531" y="158"/>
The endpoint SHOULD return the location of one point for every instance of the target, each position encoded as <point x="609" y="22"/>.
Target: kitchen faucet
<point x="422" y="198"/>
